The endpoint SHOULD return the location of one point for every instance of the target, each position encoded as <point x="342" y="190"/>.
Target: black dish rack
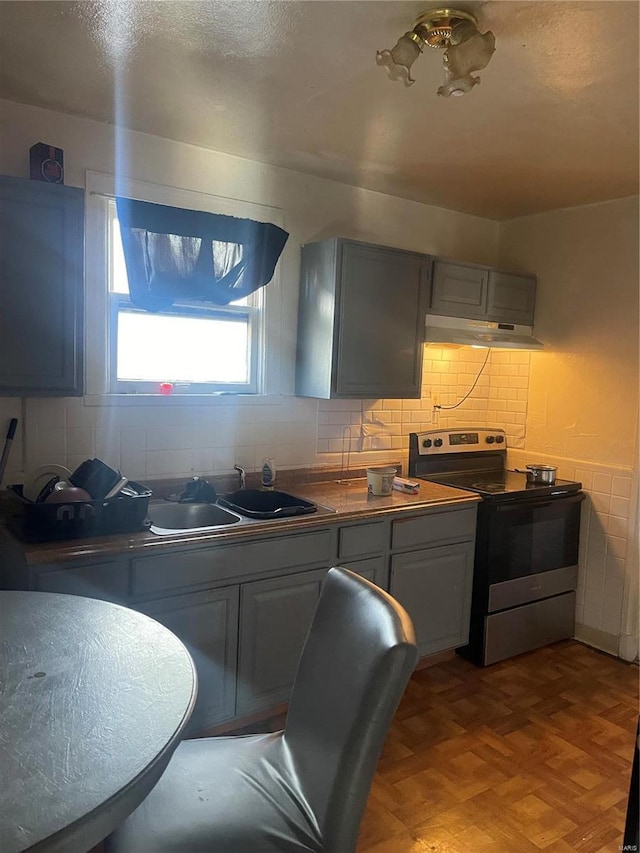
<point x="44" y="522"/>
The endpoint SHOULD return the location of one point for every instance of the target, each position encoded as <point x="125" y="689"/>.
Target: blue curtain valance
<point x="172" y="253"/>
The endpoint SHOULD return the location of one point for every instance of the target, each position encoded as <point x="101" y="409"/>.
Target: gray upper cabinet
<point x="361" y="320"/>
<point x="41" y="288"/>
<point x="511" y="298"/>
<point x="459" y="290"/>
<point x="479" y="293"/>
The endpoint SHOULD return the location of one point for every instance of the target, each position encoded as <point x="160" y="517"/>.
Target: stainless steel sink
<point x="168" y="518"/>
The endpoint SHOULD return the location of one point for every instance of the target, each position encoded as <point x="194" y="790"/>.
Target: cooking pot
<point x="539" y="473"/>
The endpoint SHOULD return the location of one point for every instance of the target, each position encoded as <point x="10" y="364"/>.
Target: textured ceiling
<point x="554" y="122"/>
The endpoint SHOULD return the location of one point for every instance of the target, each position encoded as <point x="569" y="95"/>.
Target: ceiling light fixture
<point x="455" y="32"/>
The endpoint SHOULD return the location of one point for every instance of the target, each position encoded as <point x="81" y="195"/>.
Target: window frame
<point x="263" y="311"/>
<point x="250" y="312"/>
<point x="139" y="386"/>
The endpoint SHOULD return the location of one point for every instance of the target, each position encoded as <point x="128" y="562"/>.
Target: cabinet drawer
<point x="521" y="629"/>
<point x="224" y="562"/>
<point x="362" y="539"/>
<point x="107" y="581"/>
<point x="453" y="526"/>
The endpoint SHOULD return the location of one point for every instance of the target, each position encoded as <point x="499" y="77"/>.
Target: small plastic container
<point x="380" y="480"/>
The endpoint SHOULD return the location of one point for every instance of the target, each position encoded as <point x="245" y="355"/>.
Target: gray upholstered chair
<point x="305" y="788"/>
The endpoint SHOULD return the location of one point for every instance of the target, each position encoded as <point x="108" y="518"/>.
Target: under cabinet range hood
<point x="479" y="333"/>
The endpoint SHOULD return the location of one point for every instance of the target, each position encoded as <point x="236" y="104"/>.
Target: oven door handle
<point x="542" y="503"/>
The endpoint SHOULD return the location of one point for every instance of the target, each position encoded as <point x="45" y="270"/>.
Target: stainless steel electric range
<point x="526" y="558"/>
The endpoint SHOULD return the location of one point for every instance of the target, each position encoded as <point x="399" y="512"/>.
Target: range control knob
<point x="490" y="439"/>
<point x="438" y="442"/>
<point x="499" y="439"/>
<point x="427" y="442"/>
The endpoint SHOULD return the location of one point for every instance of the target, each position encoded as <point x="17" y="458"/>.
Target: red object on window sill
<point x="166" y="388"/>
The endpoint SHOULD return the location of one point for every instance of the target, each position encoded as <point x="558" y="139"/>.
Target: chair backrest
<point x="354" y="668"/>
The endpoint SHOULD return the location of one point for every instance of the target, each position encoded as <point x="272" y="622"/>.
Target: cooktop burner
<point x="496" y="482"/>
<point x="488" y="487"/>
<point x="475" y="460"/>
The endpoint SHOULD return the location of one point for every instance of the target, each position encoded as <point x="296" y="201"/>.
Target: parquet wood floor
<point x="529" y="754"/>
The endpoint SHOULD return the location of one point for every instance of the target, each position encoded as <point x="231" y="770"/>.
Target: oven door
<point x="528" y="537"/>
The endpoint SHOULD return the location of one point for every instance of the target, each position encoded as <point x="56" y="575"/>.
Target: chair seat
<point x="226" y="795"/>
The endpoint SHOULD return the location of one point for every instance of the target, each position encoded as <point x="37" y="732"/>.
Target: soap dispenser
<point x="268" y="473"/>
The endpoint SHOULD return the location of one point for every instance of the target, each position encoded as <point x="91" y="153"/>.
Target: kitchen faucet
<point x="243" y="479"/>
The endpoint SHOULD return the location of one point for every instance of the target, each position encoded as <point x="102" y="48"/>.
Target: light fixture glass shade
<point x="462" y="31"/>
<point x="398" y="60"/>
<point x="461" y="59"/>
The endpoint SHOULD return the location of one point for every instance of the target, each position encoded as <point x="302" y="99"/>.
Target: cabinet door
<point x="459" y="290"/>
<point x="41" y="288"/>
<point x="275" y="616"/>
<point x="434" y="586"/>
<point x="207" y="623"/>
<point x="511" y="298"/>
<point x="383" y="295"/>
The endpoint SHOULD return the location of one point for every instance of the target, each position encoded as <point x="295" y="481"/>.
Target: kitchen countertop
<point x="346" y="502"/>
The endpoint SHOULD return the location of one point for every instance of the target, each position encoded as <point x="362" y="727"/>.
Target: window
<point x="243" y="356"/>
<point x="191" y="348"/>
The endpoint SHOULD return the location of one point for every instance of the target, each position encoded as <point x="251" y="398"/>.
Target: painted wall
<point x="583" y="390"/>
<point x="582" y="406"/>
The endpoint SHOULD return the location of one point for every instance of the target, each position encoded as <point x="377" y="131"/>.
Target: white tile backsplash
<point x="621" y="486"/>
<point x="498" y="399"/>
<point x="603" y="541"/>
<point x="619" y="506"/>
<point x="602" y="483"/>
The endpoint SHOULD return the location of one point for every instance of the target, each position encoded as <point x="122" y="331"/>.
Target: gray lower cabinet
<point x="243" y="608"/>
<point x="434" y="586"/>
<point x="274" y="622"/>
<point x="362" y="548"/>
<point x="207" y="623"/>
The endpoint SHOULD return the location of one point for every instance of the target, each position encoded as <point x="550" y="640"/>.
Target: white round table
<point x="94" y="699"/>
